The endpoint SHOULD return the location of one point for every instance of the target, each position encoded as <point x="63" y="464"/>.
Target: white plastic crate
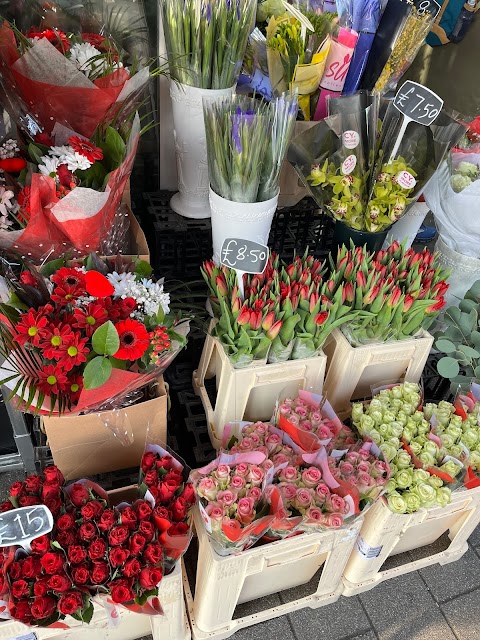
<point x="223" y="582"/>
<point x="351" y="371"/>
<point x="385" y="534"/>
<point x="172" y="626"/>
<point x="249" y="393"/>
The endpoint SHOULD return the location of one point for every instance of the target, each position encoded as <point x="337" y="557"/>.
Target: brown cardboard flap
<point x="123" y="494"/>
<point x="138" y="245"/>
<point x="84" y="445"/>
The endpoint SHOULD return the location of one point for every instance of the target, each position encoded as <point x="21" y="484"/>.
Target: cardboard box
<point x="82" y="446"/>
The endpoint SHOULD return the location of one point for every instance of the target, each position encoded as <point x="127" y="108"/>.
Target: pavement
<point x="434" y="603"/>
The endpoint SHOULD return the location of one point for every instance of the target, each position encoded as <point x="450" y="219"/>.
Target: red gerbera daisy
<point x="55" y="338"/>
<point x="51" y="380"/>
<point x="74" y="387"/>
<point x="73" y="352"/>
<point x="134" y="339"/>
<point x="23" y="200"/>
<point x="69" y="277"/>
<point x="85" y="148"/>
<point x="31" y="328"/>
<point x="91" y="318"/>
<point x="54" y="36"/>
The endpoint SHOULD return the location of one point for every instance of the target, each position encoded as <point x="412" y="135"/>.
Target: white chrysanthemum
<point x="49" y="166"/>
<point x="60" y="152"/>
<point x="122" y="283"/>
<point x="75" y="160"/>
<point x="85" y="57"/>
<point x="148" y="295"/>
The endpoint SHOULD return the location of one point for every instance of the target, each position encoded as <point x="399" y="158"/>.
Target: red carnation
<point x="17" y="489"/>
<point x="107" y="520"/>
<point x="143" y="509"/>
<point x="134" y="339"/>
<point x="150" y="577"/>
<point x="148" y="460"/>
<point x="129" y="518"/>
<point x="117" y="556"/>
<point x="33" y="484"/>
<point x="66" y="522"/>
<point x="100" y="572"/>
<point x="153" y="553"/>
<point x="85" y="148"/>
<point x="60" y="583"/>
<point x="146" y="529"/>
<point x="79" y="494"/>
<point x="87" y="532"/>
<point x="70" y="602"/>
<point x="40" y="545"/>
<point x="97" y="549"/>
<point x="28" y="501"/>
<point x="52" y="562"/>
<point x="91" y="510"/>
<point x="20" y="588"/>
<point x="77" y="554"/>
<point x="53" y="475"/>
<point x="132" y="568"/>
<point x="43" y="607"/>
<point x="31" y="567"/>
<point x="118" y="535"/>
<point x="136" y="544"/>
<point x="80" y="574"/>
<point x="121" y="590"/>
<point x="21" y="611"/>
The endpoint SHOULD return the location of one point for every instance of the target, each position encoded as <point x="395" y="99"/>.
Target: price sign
<point x="418" y="103"/>
<point x="427" y="6"/>
<point x="244" y="255"/>
<point x="21" y="526"/>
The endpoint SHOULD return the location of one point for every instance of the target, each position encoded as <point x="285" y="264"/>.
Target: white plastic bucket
<point x="191" y="149"/>
<point x="242" y="220"/>
<point x="465" y="270"/>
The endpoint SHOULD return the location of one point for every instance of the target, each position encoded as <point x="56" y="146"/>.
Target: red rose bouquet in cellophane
<point x="96" y="554"/>
<point x="85" y="338"/>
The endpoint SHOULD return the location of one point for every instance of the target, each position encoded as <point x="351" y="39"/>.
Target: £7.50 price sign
<point x="418" y="103"/>
<point x="21" y="526"/>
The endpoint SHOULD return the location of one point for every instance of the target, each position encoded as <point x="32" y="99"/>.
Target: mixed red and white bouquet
<point x="164" y="478"/>
<point x="86" y="336"/>
<point x="74" y="80"/>
<point x="93" y="549"/>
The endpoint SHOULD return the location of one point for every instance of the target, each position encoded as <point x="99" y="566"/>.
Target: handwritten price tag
<point x="418" y="103"/>
<point x="244" y="255"/>
<point x="427" y="6"/>
<point x="21" y="526"/>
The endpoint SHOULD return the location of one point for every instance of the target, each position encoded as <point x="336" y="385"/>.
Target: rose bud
<point x="40" y="587"/>
<point x="40" y="545"/>
<point x="50" y="492"/>
<point x="97" y="549"/>
<point x="15" y="570"/>
<point x="178" y="510"/>
<point x="91" y="510"/>
<point x="28" y="501"/>
<point x="146" y="529"/>
<point x="80" y="574"/>
<point x="153" y="553"/>
<point x="148" y="461"/>
<point x="79" y="494"/>
<point x="6" y="506"/>
<point x="118" y="555"/>
<point x="66" y="522"/>
<point x="129" y="518"/>
<point x="188" y="494"/>
<point x="107" y="520"/>
<point x="87" y="532"/>
<point x="33" y="484"/>
<point x="118" y="535"/>
<point x="164" y="463"/>
<point x="178" y="529"/>
<point x="70" y="602"/>
<point x="20" y="588"/>
<point x="151" y="478"/>
<point x="121" y="591"/>
<point x="66" y="538"/>
<point x="43" y="607"/>
<point x="77" y="554"/>
<point x="132" y="567"/>
<point x="136" y="544"/>
<point x="150" y="577"/>
<point x="143" y="509"/>
<point x="21" y="611"/>
<point x="60" y="582"/>
<point x="173" y="477"/>
<point x="52" y="562"/>
<point x="17" y="489"/>
<point x="165" y="494"/>
<point x="53" y="474"/>
<point x="100" y="572"/>
<point x="31" y="567"/>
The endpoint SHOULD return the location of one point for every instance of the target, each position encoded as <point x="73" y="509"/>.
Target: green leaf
<point x="96" y="373"/>
<point x="87" y="613"/>
<point x="35" y="153"/>
<point x="93" y="177"/>
<point x="475" y="338"/>
<point x="143" y="269"/>
<point x="56" y="545"/>
<point x="474" y="292"/>
<point x="468" y="351"/>
<point x="467" y="305"/>
<point x="49" y="268"/>
<point x="445" y="346"/>
<point x="105" y="340"/>
<point x="118" y="364"/>
<point x="477" y="371"/>
<point x="448" y="367"/>
<point x="113" y="149"/>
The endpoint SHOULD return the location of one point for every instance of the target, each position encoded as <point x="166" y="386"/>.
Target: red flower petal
<point x="97" y="285"/>
<point x="13" y="165"/>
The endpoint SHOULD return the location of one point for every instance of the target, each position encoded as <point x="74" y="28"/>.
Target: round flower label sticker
<point x="406" y="180"/>
<point x="349" y="165"/>
<point x="350" y="139"/>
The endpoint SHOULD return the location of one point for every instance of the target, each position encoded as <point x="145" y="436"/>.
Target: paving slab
<point x="403" y="609"/>
<point x="450" y="580"/>
<point x="257" y="605"/>
<point x="365" y="636"/>
<point x="463" y="615"/>
<point x="474" y="539"/>
<point x="7" y="479"/>
<point x="276" y="629"/>
<point x="343" y="618"/>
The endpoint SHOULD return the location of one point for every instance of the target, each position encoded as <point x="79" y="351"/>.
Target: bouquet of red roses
<point x="80" y="340"/>
<point x="164" y="480"/>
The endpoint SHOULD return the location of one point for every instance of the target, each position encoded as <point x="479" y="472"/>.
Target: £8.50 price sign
<point x="21" y="526"/>
<point x="244" y="255"/>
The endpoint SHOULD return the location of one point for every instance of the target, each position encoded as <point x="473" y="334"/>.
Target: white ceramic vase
<point x="191" y="149"/>
<point x="243" y="220"/>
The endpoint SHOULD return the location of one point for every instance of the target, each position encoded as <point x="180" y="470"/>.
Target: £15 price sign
<point x="21" y="526"/>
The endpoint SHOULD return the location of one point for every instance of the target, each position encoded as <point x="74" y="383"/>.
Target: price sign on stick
<point x="245" y="256"/>
<point x="417" y="104"/>
<point x="21" y="526"/>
